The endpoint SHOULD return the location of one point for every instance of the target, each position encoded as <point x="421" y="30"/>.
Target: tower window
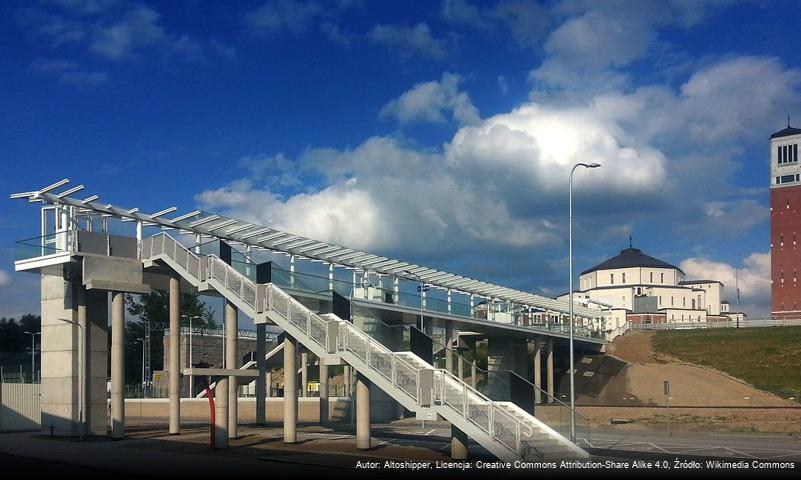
<point x="661" y="278"/>
<point x="612" y="278"/>
<point x="652" y="277"/>
<point x="624" y="277"/>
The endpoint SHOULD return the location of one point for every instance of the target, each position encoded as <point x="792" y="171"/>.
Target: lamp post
<point x="33" y="354"/>
<point x="191" y="377"/>
<point x="570" y="306"/>
<point x="81" y="399"/>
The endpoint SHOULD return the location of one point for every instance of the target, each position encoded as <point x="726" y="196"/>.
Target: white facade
<point x="633" y="282"/>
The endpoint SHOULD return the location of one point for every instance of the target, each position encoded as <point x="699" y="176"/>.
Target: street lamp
<point x="570" y="306"/>
<point x="81" y="398"/>
<point x="422" y="292"/>
<point x="33" y="354"/>
<point x="191" y="390"/>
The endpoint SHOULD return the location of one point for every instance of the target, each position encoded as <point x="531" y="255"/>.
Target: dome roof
<point x="631" y="257"/>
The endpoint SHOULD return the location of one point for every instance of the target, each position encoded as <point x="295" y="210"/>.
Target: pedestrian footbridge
<point x="370" y="323"/>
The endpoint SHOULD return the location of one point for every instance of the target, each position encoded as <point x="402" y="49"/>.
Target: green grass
<point x="768" y="358"/>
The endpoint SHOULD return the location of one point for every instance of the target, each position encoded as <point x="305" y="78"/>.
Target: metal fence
<point x="20" y="406"/>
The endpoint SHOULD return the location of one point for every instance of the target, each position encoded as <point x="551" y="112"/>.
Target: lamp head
<point x="594" y="165"/>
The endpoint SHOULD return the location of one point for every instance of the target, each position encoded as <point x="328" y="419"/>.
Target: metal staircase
<point x="507" y="431"/>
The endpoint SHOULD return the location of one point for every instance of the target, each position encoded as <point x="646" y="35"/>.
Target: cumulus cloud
<point x="430" y="101"/>
<point x="409" y="40"/>
<point x="585" y="52"/>
<point x="477" y="193"/>
<point x="753" y="278"/>
<point x="5" y="279"/>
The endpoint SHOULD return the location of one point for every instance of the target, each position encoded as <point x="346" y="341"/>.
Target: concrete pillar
<point x="221" y="413"/>
<point x="449" y="346"/>
<point x="458" y="444"/>
<point x="290" y="389"/>
<point x="362" y="412"/>
<point x="346" y="379"/>
<point x="97" y="358"/>
<point x="268" y="381"/>
<point x="323" y="391"/>
<point x="175" y="355"/>
<point x="261" y="364"/>
<point x="473" y="373"/>
<point x="460" y="367"/>
<point x="304" y="373"/>
<point x="118" y="365"/>
<point x="74" y="365"/>
<point x="549" y="371"/>
<point x="537" y="371"/>
<point x="232" y="362"/>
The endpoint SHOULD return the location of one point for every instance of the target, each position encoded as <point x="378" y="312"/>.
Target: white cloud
<point x="69" y="73"/>
<point x="429" y="101"/>
<point x="139" y="29"/>
<point x="409" y="40"/>
<point x="460" y="12"/>
<point x="335" y="34"/>
<point x="113" y="31"/>
<point x="291" y="15"/>
<point x="5" y="279"/>
<point x="753" y="278"/>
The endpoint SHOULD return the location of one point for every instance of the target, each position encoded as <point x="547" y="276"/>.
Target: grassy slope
<point x="768" y="358"/>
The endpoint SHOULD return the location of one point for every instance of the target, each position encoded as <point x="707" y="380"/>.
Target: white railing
<point x="490" y="417"/>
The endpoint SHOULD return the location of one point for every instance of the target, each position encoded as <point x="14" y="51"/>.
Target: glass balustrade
<point x="41" y="246"/>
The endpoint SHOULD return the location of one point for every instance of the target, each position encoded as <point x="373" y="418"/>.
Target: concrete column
<point x="118" y="365"/>
<point x="304" y="373"/>
<point x="323" y="392"/>
<point x="97" y="361"/>
<point x="362" y="412"/>
<point x="290" y="389"/>
<point x="268" y="381"/>
<point x="460" y="367"/>
<point x="346" y="379"/>
<point x="549" y="371"/>
<point x="175" y="354"/>
<point x="231" y="362"/>
<point x="538" y="371"/>
<point x="458" y="444"/>
<point x="261" y="364"/>
<point x="473" y="373"/>
<point x="449" y="346"/>
<point x="221" y="413"/>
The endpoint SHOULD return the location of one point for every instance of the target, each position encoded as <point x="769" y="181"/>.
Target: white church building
<point x="641" y="289"/>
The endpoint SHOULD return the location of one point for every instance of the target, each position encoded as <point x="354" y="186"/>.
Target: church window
<point x="612" y="278"/>
<point x="624" y="277"/>
<point x="652" y="277"/>
<point x="661" y="278"/>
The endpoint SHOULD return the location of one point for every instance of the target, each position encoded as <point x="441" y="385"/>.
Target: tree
<point x="154" y="308"/>
<point x="13" y="338"/>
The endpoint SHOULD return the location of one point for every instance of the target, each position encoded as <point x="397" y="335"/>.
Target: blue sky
<point x="439" y="132"/>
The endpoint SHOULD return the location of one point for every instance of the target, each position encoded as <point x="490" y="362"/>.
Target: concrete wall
<point x="198" y="409"/>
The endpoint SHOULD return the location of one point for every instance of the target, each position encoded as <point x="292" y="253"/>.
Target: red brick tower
<point x="785" y="223"/>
